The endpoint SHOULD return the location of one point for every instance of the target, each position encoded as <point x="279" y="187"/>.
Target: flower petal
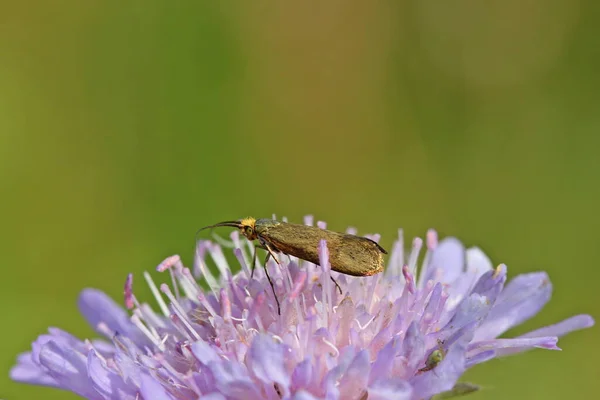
<point x="477" y="262"/>
<point x="385" y="360"/>
<point x="204" y="352"/>
<point x="506" y="347"/>
<point x="353" y="384"/>
<point x="151" y="389"/>
<point x="471" y="310"/>
<point x="98" y="308"/>
<point x="265" y="360"/>
<point x="303" y="395"/>
<point x="68" y="368"/>
<point x="522" y="298"/>
<point x="479" y="358"/>
<point x="562" y="328"/>
<point x="27" y="371"/>
<point x="213" y="396"/>
<point x="390" y="389"/>
<point x="302" y="375"/>
<point x="108" y="382"/>
<point x="446" y="373"/>
<point x="233" y="381"/>
<point x="447" y="261"/>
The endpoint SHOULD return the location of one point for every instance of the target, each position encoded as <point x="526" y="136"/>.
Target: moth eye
<point x="248" y="230"/>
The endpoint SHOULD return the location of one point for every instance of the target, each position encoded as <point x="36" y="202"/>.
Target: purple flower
<point x="388" y="336"/>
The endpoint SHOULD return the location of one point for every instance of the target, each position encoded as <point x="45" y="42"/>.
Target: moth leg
<point x="253" y="263"/>
<point x="336" y="284"/>
<point x="271" y="254"/>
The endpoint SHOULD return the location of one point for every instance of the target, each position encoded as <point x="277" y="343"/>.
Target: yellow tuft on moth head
<point x="248" y="228"/>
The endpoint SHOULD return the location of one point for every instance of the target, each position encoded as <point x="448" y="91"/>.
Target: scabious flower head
<point x="389" y="336"/>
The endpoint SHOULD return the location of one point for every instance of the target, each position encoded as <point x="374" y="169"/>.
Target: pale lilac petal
<point x="522" y="298"/>
<point x="303" y="395"/>
<point x="26" y="371"/>
<point x="477" y="262"/>
<point x="354" y="382"/>
<point x="385" y="360"/>
<point x="68" y="368"/>
<point x="266" y="361"/>
<point x="447" y="261"/>
<point x="504" y="347"/>
<point x="233" y="381"/>
<point x="473" y="309"/>
<point x="491" y="283"/>
<point x="213" y="396"/>
<point x="302" y="374"/>
<point x="480" y="357"/>
<point x="562" y="328"/>
<point x="390" y="389"/>
<point x="204" y="352"/>
<point x="413" y="347"/>
<point x="108" y="382"/>
<point x="152" y="389"/>
<point x="98" y="308"/>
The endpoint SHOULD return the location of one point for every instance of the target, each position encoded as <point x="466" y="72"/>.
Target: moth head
<point x="248" y="228"/>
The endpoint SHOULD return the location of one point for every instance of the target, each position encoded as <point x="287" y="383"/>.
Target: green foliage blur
<point x="125" y="126"/>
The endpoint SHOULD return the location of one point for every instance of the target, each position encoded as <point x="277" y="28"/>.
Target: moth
<point x="348" y="254"/>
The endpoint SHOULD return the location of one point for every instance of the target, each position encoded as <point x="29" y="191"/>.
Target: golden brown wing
<point x="348" y="254"/>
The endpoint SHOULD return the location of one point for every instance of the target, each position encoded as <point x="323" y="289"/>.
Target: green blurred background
<point x="125" y="126"/>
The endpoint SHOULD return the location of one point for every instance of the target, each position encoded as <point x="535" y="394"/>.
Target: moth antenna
<point x="232" y="224"/>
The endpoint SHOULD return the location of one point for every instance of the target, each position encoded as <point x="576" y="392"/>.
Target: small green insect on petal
<point x="434" y="358"/>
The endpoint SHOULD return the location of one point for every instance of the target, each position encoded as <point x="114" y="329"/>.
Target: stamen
<point x="188" y="284"/>
<point x="222" y="242"/>
<point x="138" y="312"/>
<point x="204" y="301"/>
<point x="432" y="242"/>
<point x="128" y="292"/>
<point x="361" y="327"/>
<point x="277" y="338"/>
<point x="499" y="269"/>
<point x="299" y="284"/>
<point x="204" y="270"/>
<point x="102" y="328"/>
<point x="156" y="293"/>
<point x="257" y="305"/>
<point x="179" y="310"/>
<point x="225" y="306"/>
<point x="396" y="260"/>
<point x="241" y="257"/>
<point x="410" y="280"/>
<point x="174" y="283"/>
<point x="432" y="239"/>
<point x="150" y="316"/>
<point x="168" y="263"/>
<point x="178" y="324"/>
<point x="371" y="286"/>
<point x="138" y="322"/>
<point x="325" y="266"/>
<point x="414" y="255"/>
<point x="218" y="257"/>
<point x="335" y="349"/>
<point x="376" y="237"/>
